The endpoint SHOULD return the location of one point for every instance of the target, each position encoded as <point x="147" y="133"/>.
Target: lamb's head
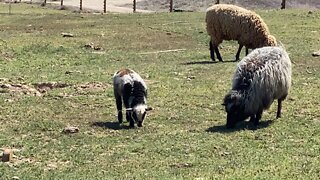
<point x="270" y="41"/>
<point x="138" y="113"/>
<point x="234" y="106"/>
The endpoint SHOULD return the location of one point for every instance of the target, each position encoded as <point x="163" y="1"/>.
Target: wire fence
<point x="102" y="5"/>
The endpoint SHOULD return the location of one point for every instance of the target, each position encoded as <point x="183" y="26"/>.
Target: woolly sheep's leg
<point x="119" y="108"/>
<point x="216" y="49"/>
<point x="252" y="118"/>
<point x="211" y="51"/>
<point x="280" y="106"/>
<point x="238" y="52"/>
<point x="258" y="117"/>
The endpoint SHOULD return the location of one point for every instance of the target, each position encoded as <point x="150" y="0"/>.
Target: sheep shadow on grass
<point x="206" y="62"/>
<point x="244" y="125"/>
<point x="110" y="125"/>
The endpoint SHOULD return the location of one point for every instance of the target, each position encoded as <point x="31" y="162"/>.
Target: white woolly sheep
<point x="230" y="22"/>
<point x="260" y="78"/>
<point x="130" y="88"/>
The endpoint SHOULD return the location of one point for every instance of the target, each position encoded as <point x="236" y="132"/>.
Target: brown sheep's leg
<point x="216" y="49"/>
<point x="238" y="52"/>
<point x="211" y="51"/>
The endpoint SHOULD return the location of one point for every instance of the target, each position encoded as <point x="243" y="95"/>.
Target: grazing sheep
<point x="260" y="78"/>
<point x="130" y="88"/>
<point x="230" y="22"/>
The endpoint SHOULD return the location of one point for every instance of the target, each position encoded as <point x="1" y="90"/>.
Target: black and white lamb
<point x="130" y="88"/>
<point x="261" y="77"/>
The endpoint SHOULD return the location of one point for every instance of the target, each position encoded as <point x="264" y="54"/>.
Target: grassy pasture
<point x="184" y="136"/>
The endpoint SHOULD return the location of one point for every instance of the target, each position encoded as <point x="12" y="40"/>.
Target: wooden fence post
<point x="171" y="6"/>
<point x="61" y="4"/>
<point x="105" y="6"/>
<point x="134" y="5"/>
<point x="80" y="5"/>
<point x="283" y="4"/>
<point x="10" y="8"/>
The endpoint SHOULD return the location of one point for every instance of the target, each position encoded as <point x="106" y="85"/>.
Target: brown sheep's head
<point x="270" y="41"/>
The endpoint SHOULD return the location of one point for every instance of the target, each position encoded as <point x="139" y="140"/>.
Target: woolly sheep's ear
<point x="149" y="108"/>
<point x="129" y="109"/>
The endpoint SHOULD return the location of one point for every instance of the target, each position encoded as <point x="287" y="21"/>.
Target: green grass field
<point x="184" y="136"/>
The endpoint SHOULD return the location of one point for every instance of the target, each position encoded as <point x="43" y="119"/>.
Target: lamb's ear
<point x="149" y="108"/>
<point x="129" y="109"/>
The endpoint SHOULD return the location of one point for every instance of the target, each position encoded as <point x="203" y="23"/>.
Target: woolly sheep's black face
<point x="235" y="116"/>
<point x="234" y="109"/>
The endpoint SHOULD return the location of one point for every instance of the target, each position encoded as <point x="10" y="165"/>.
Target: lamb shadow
<point x="110" y="125"/>
<point x="245" y="125"/>
<point x="206" y="62"/>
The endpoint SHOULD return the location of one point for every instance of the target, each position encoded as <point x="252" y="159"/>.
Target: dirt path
<point x="112" y="5"/>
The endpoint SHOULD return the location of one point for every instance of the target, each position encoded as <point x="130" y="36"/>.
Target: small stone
<point x="7" y="155"/>
<point x="67" y="35"/>
<point x="316" y="53"/>
<point x="70" y="129"/>
<point x="15" y="178"/>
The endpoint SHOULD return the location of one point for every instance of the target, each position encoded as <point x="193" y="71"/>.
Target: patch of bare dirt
<point x="46" y="86"/>
<point x="90" y="87"/>
<point x="19" y="89"/>
<point x="40" y="89"/>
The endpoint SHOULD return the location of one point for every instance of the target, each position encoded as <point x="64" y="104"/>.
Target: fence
<point x="134" y="4"/>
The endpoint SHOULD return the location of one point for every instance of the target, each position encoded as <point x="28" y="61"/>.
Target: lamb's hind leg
<point x="127" y="90"/>
<point x="119" y="108"/>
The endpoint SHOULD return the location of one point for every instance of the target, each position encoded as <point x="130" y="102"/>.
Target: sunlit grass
<point x="184" y="136"/>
